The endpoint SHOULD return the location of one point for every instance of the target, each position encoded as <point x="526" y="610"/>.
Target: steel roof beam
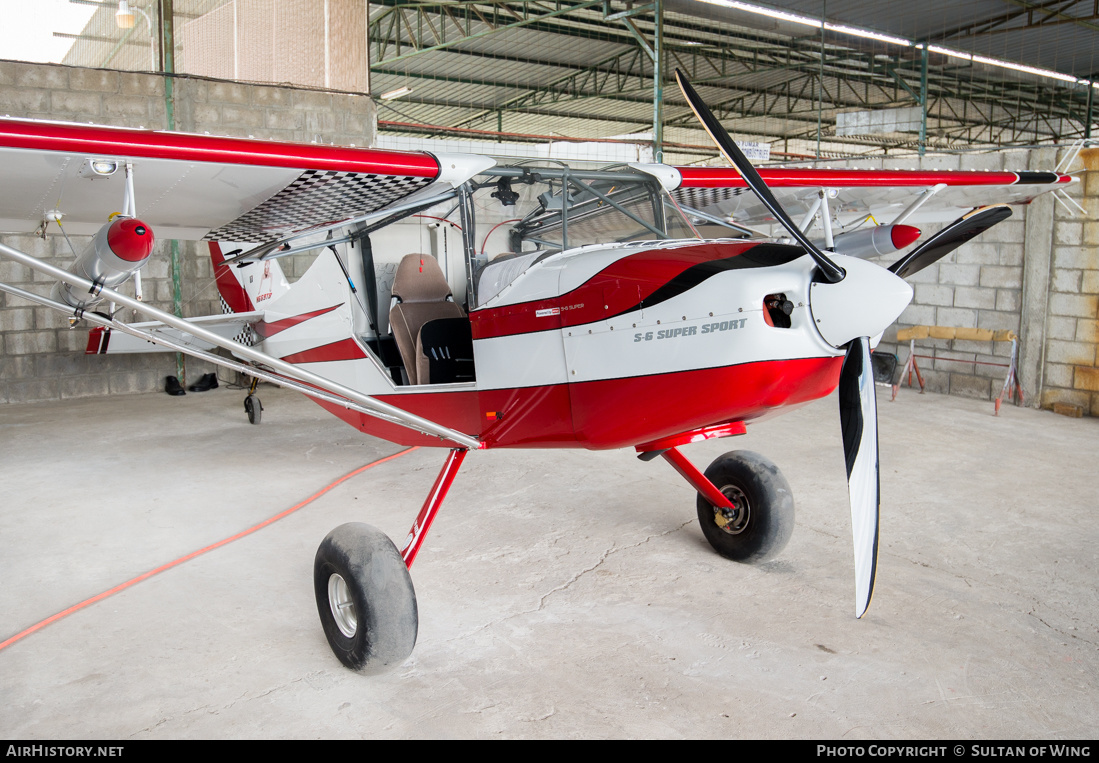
<point x="416" y="34"/>
<point x="1051" y="11"/>
<point x="852" y="77"/>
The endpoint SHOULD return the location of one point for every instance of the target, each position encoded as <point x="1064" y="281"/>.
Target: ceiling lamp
<point x="398" y="93"/>
<point x="125" y="16"/>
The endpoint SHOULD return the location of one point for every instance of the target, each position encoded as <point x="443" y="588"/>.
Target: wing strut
<point x="371" y="405"/>
<point x="99" y="319"/>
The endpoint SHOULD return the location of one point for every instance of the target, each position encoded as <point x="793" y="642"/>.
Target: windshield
<point x="524" y="214"/>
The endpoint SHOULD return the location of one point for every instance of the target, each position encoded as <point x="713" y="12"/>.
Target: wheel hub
<point x="735" y="521"/>
<point x="343" y="608"/>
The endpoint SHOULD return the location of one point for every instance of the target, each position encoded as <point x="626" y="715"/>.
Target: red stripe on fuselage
<point x="456" y="410"/>
<point x="229" y="287"/>
<point x="345" y="349"/>
<point x="617" y="413"/>
<point x="612" y="413"/>
<point x="620" y="286"/>
<point x="267" y="330"/>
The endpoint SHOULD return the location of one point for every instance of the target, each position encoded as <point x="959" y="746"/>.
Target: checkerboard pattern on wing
<point x="315" y="198"/>
<point x="700" y="198"/>
<point x="245" y="336"/>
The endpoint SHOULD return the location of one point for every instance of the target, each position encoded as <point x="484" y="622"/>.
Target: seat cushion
<point x="444" y="352"/>
<point x="406" y="320"/>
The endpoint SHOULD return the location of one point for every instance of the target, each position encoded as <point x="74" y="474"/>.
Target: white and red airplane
<point x="603" y="318"/>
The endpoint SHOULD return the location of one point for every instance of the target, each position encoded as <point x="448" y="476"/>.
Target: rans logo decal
<point x="685" y="331"/>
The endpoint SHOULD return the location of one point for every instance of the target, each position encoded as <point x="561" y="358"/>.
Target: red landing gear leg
<point x="745" y="507"/>
<point x="697" y="479"/>
<point x="364" y="592"/>
<point x="431" y="505"/>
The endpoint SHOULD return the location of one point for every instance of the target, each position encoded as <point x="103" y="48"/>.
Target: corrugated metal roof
<point x="1059" y="36"/>
<point x="1050" y="34"/>
<point x="545" y="71"/>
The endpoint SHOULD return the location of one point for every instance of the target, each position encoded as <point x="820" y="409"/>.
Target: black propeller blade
<point x="858" y="404"/>
<point x="832" y="272"/>
<point x="859" y="425"/>
<point x="949" y="238"/>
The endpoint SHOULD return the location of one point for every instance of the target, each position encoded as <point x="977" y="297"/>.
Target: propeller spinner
<point x="856" y="308"/>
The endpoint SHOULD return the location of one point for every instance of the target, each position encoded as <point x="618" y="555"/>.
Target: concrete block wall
<point x="977" y="286"/>
<point x="40" y="357"/>
<point x="1036" y="274"/>
<point x="1071" y="378"/>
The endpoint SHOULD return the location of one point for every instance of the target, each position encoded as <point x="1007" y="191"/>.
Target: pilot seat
<point x="431" y="330"/>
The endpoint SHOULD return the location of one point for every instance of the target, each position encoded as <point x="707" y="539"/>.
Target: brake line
<point x="164" y="567"/>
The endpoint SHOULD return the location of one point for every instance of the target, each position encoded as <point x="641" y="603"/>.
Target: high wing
<point x="886" y="194"/>
<point x="192" y="187"/>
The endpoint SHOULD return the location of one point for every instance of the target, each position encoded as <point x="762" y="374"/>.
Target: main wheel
<point x="254" y="408"/>
<point x="763" y="519"/>
<point x="365" y="598"/>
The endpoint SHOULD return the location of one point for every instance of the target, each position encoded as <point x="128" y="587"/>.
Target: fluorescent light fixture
<point x="1024" y="68"/>
<point x="842" y="29"/>
<point x="890" y="39"/>
<point x="771" y="12"/>
<point x="398" y="93"/>
<point x="125" y="16"/>
<point x="951" y="53"/>
<point x="1003" y="64"/>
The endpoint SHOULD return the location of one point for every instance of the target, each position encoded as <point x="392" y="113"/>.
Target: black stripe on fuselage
<point x="759" y="256"/>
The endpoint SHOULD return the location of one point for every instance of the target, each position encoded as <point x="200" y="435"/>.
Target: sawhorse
<point x="1012" y="389"/>
<point x="909" y="367"/>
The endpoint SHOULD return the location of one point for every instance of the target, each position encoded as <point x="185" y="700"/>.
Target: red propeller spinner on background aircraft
<point x="603" y="319"/>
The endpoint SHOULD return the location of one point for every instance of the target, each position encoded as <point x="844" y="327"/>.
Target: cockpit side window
<point x="524" y="214"/>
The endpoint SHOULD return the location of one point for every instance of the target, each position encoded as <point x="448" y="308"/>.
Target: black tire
<point x="254" y="408"/>
<point x="359" y="566"/>
<point x="764" y="520"/>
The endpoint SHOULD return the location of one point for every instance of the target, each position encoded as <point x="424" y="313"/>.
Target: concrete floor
<point x="561" y="593"/>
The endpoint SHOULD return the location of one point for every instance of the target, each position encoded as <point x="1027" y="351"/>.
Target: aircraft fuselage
<point x="610" y="346"/>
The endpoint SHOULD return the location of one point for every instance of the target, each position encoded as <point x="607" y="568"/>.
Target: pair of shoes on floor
<point x="173" y="387"/>
<point x="208" y="381"/>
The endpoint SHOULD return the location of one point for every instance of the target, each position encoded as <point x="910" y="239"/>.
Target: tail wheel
<point x="762" y="519"/>
<point x="365" y="598"/>
<point x="254" y="408"/>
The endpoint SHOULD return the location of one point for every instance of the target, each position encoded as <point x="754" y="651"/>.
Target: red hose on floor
<point x="200" y="552"/>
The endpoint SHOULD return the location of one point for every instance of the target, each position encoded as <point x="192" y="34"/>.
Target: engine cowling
<point x="116" y="251"/>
